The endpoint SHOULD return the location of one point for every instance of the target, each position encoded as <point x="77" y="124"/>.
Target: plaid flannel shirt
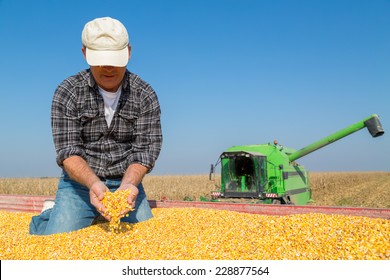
<point x="80" y="128"/>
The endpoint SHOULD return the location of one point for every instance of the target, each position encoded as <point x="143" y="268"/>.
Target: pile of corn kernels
<point x="205" y="234"/>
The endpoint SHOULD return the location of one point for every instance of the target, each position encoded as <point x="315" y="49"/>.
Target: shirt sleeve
<point x="148" y="135"/>
<point x="65" y="124"/>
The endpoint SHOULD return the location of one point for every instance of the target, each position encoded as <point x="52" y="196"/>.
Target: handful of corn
<point x="116" y="203"/>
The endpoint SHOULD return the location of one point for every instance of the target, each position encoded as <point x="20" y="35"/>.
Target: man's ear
<point x="129" y="51"/>
<point x="84" y="52"/>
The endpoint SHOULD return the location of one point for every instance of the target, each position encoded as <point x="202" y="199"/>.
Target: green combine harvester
<point x="269" y="172"/>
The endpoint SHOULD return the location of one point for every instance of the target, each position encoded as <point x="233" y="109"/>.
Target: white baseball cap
<point x="106" y="42"/>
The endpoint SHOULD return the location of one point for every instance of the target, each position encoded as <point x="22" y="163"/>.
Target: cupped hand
<point x="96" y="194"/>
<point x="131" y="198"/>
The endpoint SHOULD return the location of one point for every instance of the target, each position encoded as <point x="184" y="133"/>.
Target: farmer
<point x="107" y="133"/>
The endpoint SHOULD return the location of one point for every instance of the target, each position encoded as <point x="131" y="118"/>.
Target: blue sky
<point x="227" y="72"/>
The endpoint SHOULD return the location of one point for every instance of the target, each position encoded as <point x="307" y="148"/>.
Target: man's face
<point x="107" y="77"/>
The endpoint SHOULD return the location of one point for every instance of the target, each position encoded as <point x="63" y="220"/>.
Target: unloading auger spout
<point x="372" y="123"/>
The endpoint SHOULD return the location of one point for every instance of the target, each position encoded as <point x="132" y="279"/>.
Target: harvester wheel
<point x="287" y="200"/>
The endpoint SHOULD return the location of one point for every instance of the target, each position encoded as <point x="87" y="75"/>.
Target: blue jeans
<point x="73" y="210"/>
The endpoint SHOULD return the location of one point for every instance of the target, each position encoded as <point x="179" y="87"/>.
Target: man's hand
<point x="131" y="198"/>
<point x="79" y="170"/>
<point x="96" y="194"/>
<point x="132" y="177"/>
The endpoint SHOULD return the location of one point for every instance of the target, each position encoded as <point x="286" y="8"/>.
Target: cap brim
<point x="118" y="58"/>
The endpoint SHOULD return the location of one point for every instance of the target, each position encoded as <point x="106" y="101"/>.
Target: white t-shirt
<point x="110" y="102"/>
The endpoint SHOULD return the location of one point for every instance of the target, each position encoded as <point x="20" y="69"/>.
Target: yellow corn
<point x="116" y="203"/>
<point x="205" y="234"/>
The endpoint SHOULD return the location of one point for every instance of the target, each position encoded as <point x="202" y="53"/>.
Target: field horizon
<point x="353" y="189"/>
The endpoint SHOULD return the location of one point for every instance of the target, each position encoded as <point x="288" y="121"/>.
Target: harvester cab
<point x="269" y="172"/>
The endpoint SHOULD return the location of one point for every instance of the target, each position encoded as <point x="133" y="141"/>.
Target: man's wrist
<point x="89" y="186"/>
<point x="127" y="185"/>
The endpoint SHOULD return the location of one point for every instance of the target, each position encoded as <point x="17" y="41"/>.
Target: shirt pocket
<point x="127" y="123"/>
<point x="91" y="125"/>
